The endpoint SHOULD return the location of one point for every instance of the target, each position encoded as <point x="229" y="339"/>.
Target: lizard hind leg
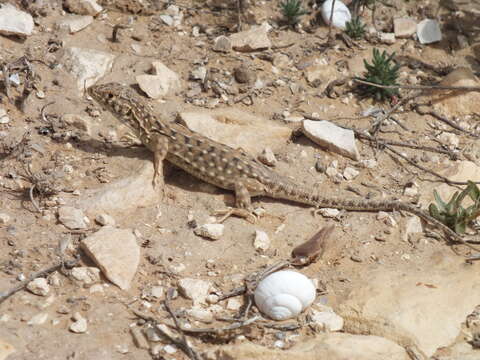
<point x="159" y="147"/>
<point x="243" y="205"/>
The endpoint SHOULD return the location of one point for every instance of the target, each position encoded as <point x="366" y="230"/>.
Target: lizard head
<point x="122" y="101"/>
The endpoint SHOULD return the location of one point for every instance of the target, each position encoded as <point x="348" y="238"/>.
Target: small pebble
<point x="210" y="231"/>
<point x="39" y="287"/>
<point x="261" y="241"/>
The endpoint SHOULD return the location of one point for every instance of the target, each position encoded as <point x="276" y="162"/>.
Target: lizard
<point x="224" y="166"/>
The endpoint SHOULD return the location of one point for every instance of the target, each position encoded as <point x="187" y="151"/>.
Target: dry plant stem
<point x="230" y="327"/>
<point x="239" y="14"/>
<point x="329" y="37"/>
<point x="185" y="346"/>
<point x="444" y="119"/>
<point x="5" y="295"/>
<point x="6" y="80"/>
<point x="419" y="87"/>
<point x="380" y="141"/>
<point x="178" y="342"/>
<point x="447" y="180"/>
<point x="376" y="125"/>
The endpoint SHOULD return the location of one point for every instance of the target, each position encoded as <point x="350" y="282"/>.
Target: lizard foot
<point x="243" y="213"/>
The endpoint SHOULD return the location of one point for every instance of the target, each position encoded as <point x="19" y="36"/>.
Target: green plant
<point x="355" y="28"/>
<point x="292" y="10"/>
<point x="453" y="214"/>
<point x="382" y="71"/>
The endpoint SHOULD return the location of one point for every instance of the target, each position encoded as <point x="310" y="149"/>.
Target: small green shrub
<point x="355" y="28"/>
<point x="452" y="214"/>
<point x="292" y="10"/>
<point x="382" y="71"/>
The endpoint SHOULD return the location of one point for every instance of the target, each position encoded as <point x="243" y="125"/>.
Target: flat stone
<point x="39" y="286"/>
<point x="74" y="23"/>
<point x="267" y="157"/>
<point x="320" y="75"/>
<point x="4" y="218"/>
<point x="123" y="195"/>
<point x="83" y="7"/>
<point x="79" y="121"/>
<point x="327" y="320"/>
<point x="237" y="129"/>
<point x="404" y="27"/>
<point x="116" y="253"/>
<point x="251" y="40"/>
<point x="261" y="240"/>
<point x="86" y="65"/>
<point x="428" y="31"/>
<point x="163" y="82"/>
<point x="80" y="326"/>
<point x="222" y="44"/>
<point x="195" y="289"/>
<point x="105" y="219"/>
<point x="87" y="275"/>
<point x="332" y="138"/>
<point x="387" y="38"/>
<point x="14" y="21"/>
<point x="200" y="314"/>
<point x="331" y="346"/>
<point x="72" y="218"/>
<point x="421" y="307"/>
<point x="210" y="231"/>
<point x="457" y="103"/>
<point x="38" y="319"/>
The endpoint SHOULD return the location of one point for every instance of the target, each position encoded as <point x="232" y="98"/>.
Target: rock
<point x="457" y="103"/>
<point x="327" y="320"/>
<point x="83" y="7"/>
<point x="421" y="307"/>
<point x="387" y="38"/>
<point x="413" y="226"/>
<point x="80" y="325"/>
<point x="195" y="289"/>
<point x="39" y="286"/>
<point x="267" y="157"/>
<point x="386" y="218"/>
<point x="350" y="173"/>
<point x="428" y="31"/>
<point x="450" y="139"/>
<point x="281" y="61"/>
<point x="332" y="138"/>
<point x="139" y="339"/>
<point x="72" y="218"/>
<point x="86" y="65"/>
<point x="462" y="41"/>
<point x="222" y="44"/>
<point x="116" y="253"/>
<point x="328" y="212"/>
<point x="74" y="23"/>
<point x="105" y="219"/>
<point x="210" y="231"/>
<point x="4" y="219"/>
<point x="411" y="191"/>
<point x="331" y="346"/>
<point x="341" y="14"/>
<point x="87" y="275"/>
<point x="200" y="314"/>
<point x="4" y="119"/>
<point x="404" y="27"/>
<point x="237" y="129"/>
<point x="163" y="81"/>
<point x="198" y="73"/>
<point x="14" y="21"/>
<point x="234" y="304"/>
<point x="320" y="75"/>
<point x="5" y="350"/>
<point x="261" y="240"/>
<point x="170" y="349"/>
<point x="254" y="39"/>
<point x="38" y="319"/>
<point x="244" y="75"/>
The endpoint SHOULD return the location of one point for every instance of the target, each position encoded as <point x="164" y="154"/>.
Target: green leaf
<point x="442" y="206"/>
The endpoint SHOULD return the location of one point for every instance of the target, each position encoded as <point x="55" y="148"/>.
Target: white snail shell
<point x="341" y="14"/>
<point x="284" y="294"/>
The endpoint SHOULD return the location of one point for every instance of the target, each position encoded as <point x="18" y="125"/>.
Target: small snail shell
<point x="341" y="14"/>
<point x="284" y="294"/>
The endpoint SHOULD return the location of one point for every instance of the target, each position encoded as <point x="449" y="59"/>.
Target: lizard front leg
<point x="159" y="147"/>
